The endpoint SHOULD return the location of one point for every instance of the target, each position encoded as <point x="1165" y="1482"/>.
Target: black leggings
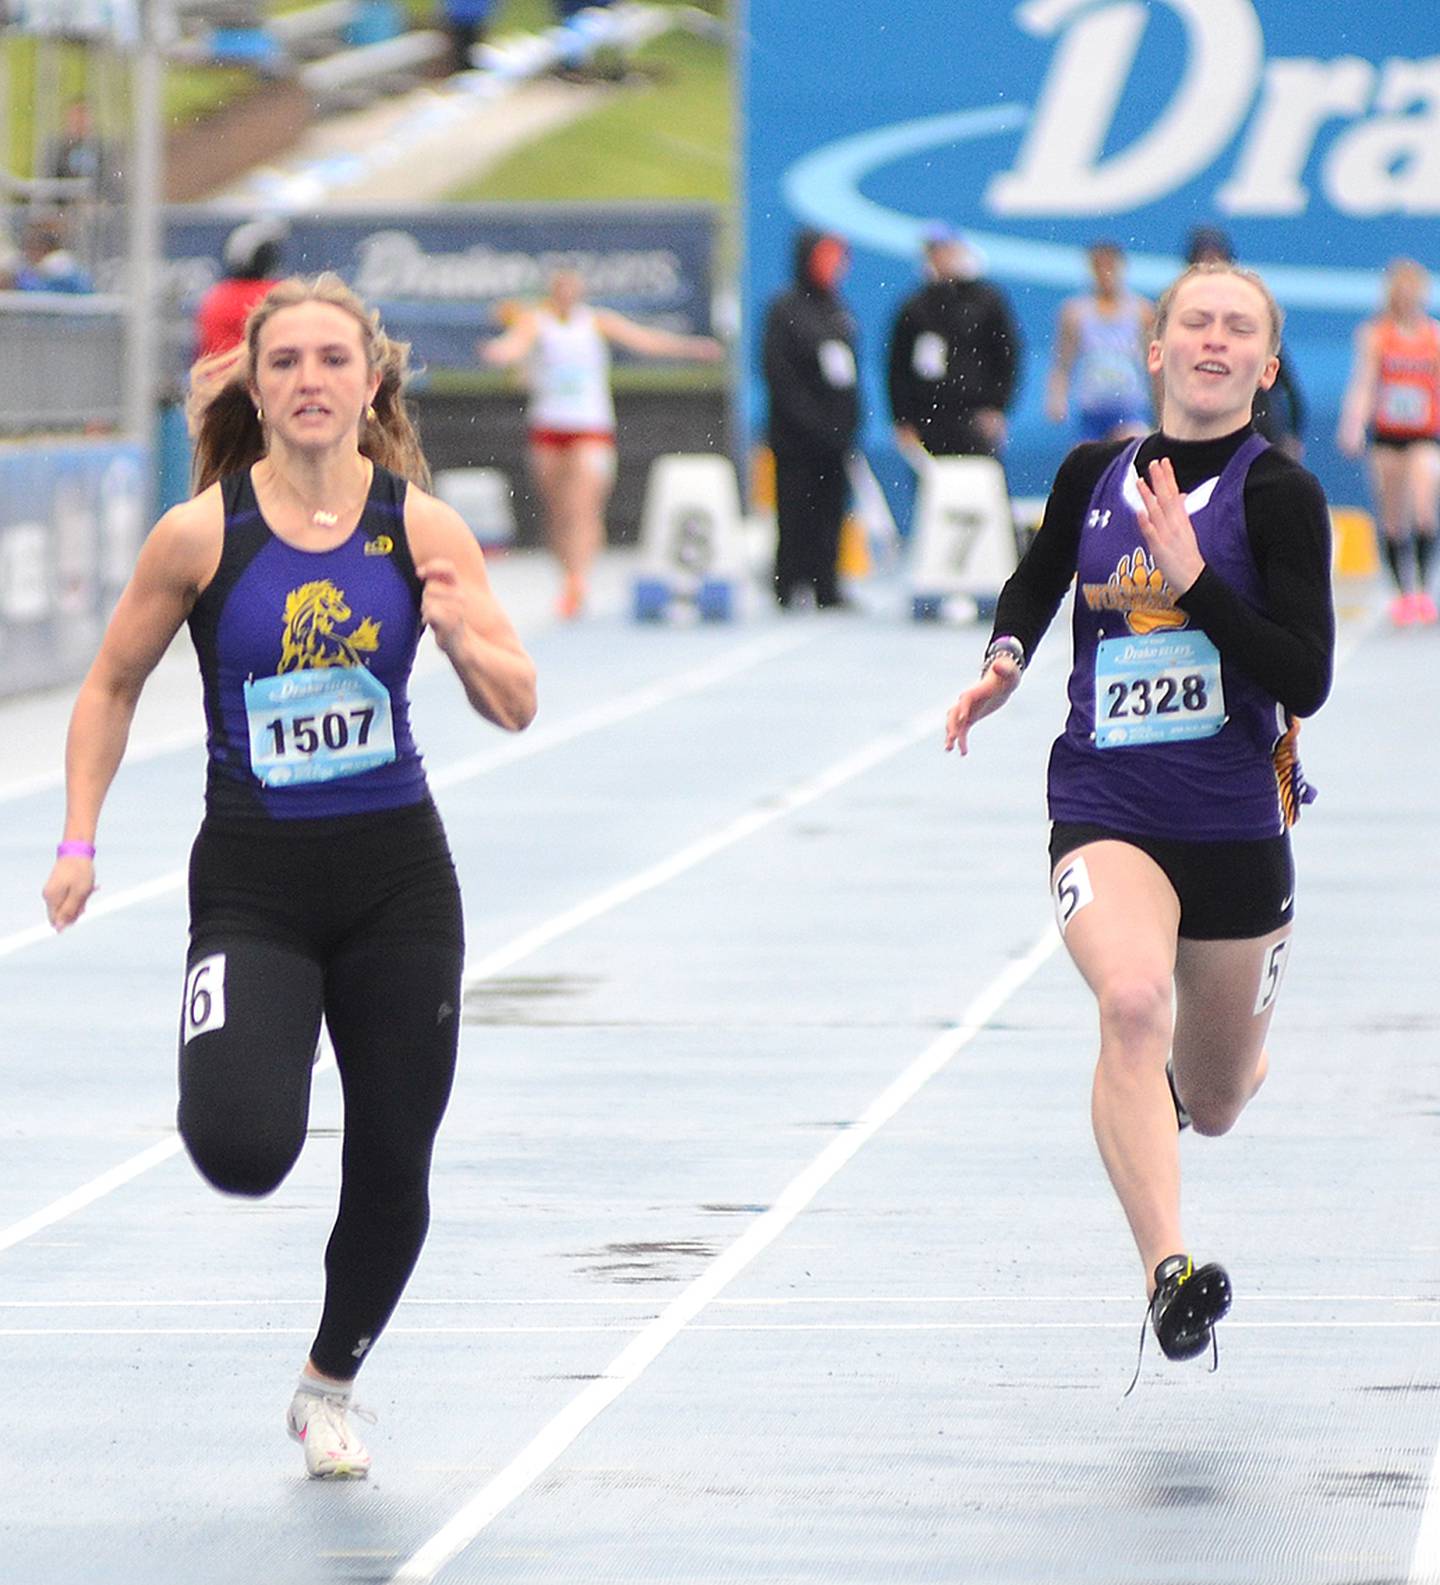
<point x="357" y="918"/>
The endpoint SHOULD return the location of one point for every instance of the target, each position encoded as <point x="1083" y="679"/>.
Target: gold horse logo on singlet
<point x="1137" y="588"/>
<point x="311" y="642"/>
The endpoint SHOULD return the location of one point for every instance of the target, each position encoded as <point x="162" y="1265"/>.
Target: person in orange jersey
<point x="1394" y="391"/>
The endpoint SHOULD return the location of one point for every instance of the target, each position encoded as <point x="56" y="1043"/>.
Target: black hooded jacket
<point x="810" y="365"/>
<point x="976" y="356"/>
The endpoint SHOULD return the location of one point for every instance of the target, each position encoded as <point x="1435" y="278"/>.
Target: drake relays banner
<point x="1310" y="134"/>
<point x="438" y="273"/>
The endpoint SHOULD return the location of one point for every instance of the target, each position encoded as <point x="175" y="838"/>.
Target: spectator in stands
<point x="467" y="22"/>
<point x="809" y="364"/>
<point x="1279" y="412"/>
<point x="47" y="265"/>
<point x="954" y="355"/>
<point x="252" y="261"/>
<point x="80" y="154"/>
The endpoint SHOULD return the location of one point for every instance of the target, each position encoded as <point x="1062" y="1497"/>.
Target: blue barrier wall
<point x="437" y="274"/>
<point x="72" y="518"/>
<point x="1311" y="134"/>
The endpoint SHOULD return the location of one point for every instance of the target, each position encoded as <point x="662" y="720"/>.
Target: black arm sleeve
<point x="1033" y="592"/>
<point x="1289" y="649"/>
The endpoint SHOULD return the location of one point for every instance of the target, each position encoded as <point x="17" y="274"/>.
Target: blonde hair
<point x="1401" y="269"/>
<point x="229" y="436"/>
<point x="1220" y="267"/>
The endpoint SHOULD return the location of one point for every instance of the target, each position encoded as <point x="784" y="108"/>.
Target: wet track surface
<point x="769" y="1241"/>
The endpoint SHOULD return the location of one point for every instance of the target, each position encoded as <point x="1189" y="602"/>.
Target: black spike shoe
<point x="1186" y="1305"/>
<point x="1184" y="1309"/>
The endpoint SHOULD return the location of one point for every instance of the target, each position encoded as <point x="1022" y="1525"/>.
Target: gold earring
<point x="370" y="411"/>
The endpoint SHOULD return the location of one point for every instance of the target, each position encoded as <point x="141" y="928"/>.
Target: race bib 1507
<point x="312" y="726"/>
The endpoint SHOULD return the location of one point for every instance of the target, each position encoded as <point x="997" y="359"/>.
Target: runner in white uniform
<point x="566" y="346"/>
<point x="569" y="375"/>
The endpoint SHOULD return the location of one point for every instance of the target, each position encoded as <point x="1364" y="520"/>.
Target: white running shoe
<point x="321" y="1426"/>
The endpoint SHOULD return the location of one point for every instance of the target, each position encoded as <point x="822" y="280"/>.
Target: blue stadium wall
<point x="1310" y="133"/>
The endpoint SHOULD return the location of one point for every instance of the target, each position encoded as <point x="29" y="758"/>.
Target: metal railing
<point x="357" y="75"/>
<point x="64" y="357"/>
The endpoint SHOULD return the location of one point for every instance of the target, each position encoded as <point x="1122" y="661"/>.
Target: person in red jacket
<point x="252" y="258"/>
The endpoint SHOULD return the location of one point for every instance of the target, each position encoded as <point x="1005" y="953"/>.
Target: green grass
<point x="669" y="138"/>
<point x="190" y="92"/>
<point x="18" y="58"/>
<point x="194" y="92"/>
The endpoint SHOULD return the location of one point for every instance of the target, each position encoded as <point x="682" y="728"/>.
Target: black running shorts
<point x="1228" y="891"/>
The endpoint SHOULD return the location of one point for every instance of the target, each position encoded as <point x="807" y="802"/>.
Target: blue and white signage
<point x="72" y="518"/>
<point x="1310" y="134"/>
<point x="437" y="274"/>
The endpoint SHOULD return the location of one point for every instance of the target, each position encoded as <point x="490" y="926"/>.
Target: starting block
<point x="1356" y="554"/>
<point x="692" y="540"/>
<point x="482" y="496"/>
<point x="963" y="543"/>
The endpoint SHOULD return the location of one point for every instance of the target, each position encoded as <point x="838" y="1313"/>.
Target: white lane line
<point x="616" y="1329"/>
<point x="878" y="750"/>
<point x="624" y="708"/>
<point x="874" y="753"/>
<point x="616" y="1301"/>
<point x="147" y="743"/>
<point x="302" y="1331"/>
<point x="137" y="754"/>
<point x="1425" y="1559"/>
<point x="104" y="904"/>
<point x="632" y="1362"/>
<point x="88" y="1193"/>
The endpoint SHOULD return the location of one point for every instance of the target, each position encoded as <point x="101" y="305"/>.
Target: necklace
<point x="320" y="517"/>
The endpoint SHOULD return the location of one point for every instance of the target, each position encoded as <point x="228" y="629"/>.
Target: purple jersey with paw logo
<point x="1164" y="737"/>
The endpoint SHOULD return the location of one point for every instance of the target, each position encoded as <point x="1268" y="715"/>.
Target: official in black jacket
<point x="809" y="365"/>
<point x="954" y="354"/>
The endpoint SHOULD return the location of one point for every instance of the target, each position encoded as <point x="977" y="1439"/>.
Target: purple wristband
<point x="75" y="850"/>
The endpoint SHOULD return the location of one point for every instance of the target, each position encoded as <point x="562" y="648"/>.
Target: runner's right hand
<point x="1001" y="679"/>
<point x="68" y="890"/>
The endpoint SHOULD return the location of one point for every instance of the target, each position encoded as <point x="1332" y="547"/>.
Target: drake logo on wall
<point x="1386" y="162"/>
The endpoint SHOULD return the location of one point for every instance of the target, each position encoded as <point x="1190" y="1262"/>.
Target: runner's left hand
<point x="1169" y="533"/>
<point x="442" y="604"/>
